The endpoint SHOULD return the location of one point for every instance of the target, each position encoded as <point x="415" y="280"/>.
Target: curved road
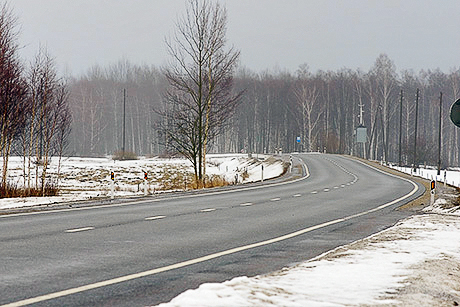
<point x="148" y="251"/>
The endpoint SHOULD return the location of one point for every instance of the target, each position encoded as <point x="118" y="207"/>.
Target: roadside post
<point x="432" y="192"/>
<point x="290" y="163"/>
<point x="112" y="185"/>
<point x="262" y="174"/>
<point x="445" y="177"/>
<point x="145" y="184"/>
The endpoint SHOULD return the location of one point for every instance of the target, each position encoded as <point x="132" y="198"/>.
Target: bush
<point x="127" y="155"/>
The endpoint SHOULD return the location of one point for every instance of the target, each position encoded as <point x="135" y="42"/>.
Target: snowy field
<point x="89" y="178"/>
<point x="414" y="263"/>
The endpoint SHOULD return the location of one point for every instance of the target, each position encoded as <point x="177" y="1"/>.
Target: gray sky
<point x="325" y="34"/>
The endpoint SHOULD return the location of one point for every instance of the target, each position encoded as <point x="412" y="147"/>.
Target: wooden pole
<point x="439" y="133"/>
<point x="415" y="134"/>
<point x="400" y="127"/>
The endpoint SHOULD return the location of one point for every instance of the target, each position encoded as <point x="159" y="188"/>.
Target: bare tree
<point x="49" y="119"/>
<point x="385" y="76"/>
<point x="306" y="99"/>
<point x="63" y="122"/>
<point x="200" y="76"/>
<point x="13" y="88"/>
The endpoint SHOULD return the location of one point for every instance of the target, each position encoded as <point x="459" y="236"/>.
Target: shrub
<point x="126" y="155"/>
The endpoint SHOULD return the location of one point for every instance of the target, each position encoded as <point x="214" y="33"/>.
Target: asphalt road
<point x="148" y="251"/>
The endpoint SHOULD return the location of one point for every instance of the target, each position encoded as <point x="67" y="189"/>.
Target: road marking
<point x="79" y="229"/>
<point x="155" y="217"/>
<point x="314" y="192"/>
<point x="275" y="199"/>
<point x="336" y="187"/>
<point x="121" y="279"/>
<point x="296" y="195"/>
<point x="342" y="185"/>
<point x="326" y="190"/>
<point x="246" y="204"/>
<point x="208" y="210"/>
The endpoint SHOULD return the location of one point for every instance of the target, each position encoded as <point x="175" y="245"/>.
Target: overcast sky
<point x="281" y="34"/>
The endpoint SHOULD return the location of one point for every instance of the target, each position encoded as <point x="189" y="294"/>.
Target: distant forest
<point x="277" y="107"/>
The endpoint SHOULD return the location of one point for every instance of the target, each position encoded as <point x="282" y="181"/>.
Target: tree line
<point x="35" y="116"/>
<point x="276" y="107"/>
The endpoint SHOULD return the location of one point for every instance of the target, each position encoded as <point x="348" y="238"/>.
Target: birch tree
<point x="13" y="88"/>
<point x="306" y="98"/>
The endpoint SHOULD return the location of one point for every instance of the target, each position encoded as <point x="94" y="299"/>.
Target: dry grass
<point x="186" y="181"/>
<point x="12" y="190"/>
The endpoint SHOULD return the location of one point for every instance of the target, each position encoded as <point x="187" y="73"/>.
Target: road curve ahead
<point x="148" y="251"/>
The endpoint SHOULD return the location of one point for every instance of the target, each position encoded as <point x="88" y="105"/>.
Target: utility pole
<point x="415" y="134"/>
<point x="383" y="135"/>
<point x="124" y="124"/>
<point x="400" y="127"/>
<point x="439" y="135"/>
<point x="361" y="127"/>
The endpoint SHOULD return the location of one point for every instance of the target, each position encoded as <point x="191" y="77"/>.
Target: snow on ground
<point x="86" y="178"/>
<point x="414" y="263"/>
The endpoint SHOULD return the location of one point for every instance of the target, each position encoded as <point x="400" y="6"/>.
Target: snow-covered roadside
<point x="414" y="263"/>
<point x="451" y="177"/>
<point x="86" y="178"/>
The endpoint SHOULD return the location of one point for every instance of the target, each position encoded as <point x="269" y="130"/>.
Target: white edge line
<point x="208" y="257"/>
<point x="164" y="199"/>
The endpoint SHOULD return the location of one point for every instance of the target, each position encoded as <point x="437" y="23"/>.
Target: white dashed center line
<point x="326" y="190"/>
<point x="246" y="204"/>
<point x="208" y="210"/>
<point x="155" y="217"/>
<point x="296" y="195"/>
<point x="275" y="199"/>
<point x="79" y="229"/>
<point x="314" y="192"/>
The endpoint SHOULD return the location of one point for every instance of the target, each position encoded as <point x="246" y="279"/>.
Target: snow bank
<point x="442" y="206"/>
<point x="248" y="169"/>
